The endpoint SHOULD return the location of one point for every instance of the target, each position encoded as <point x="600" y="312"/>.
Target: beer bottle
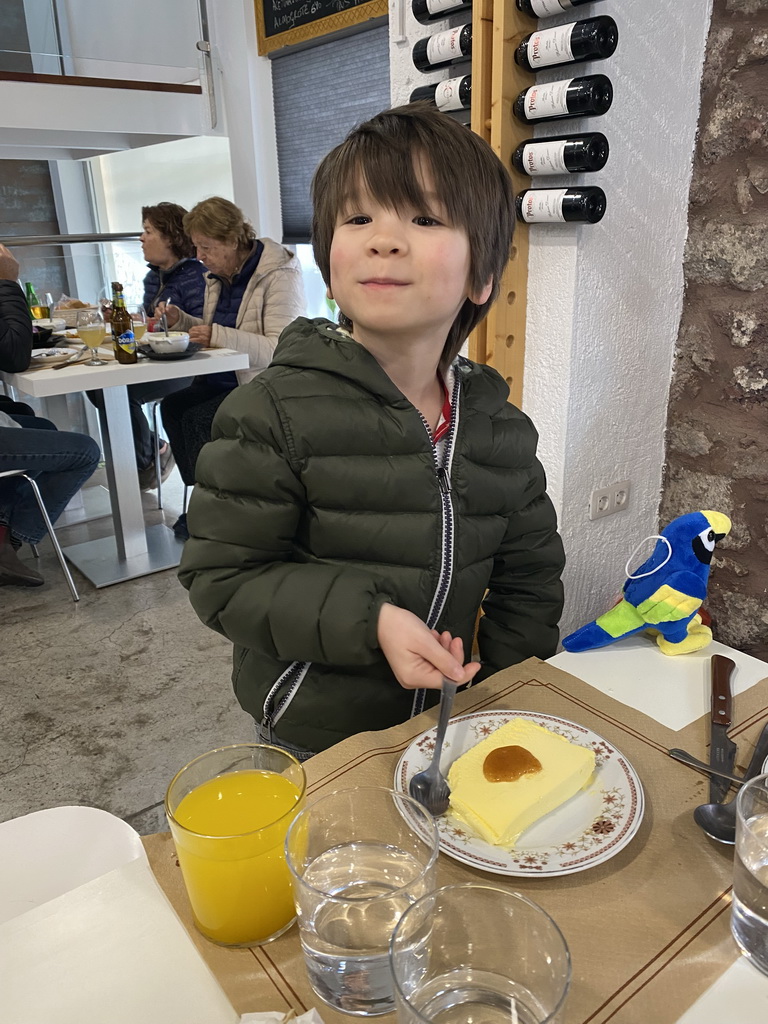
<point x="33" y="303"/>
<point x="122" y="327"/>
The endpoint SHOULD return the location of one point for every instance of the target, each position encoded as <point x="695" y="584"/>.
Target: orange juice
<point x="231" y="854"/>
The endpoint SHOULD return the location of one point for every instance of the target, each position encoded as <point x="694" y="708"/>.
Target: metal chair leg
<point x="35" y="552"/>
<point x="52" y="535"/>
<point x="184" y="502"/>
<point x="157" y="456"/>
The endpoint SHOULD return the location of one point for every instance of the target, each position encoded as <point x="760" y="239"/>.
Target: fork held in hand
<point x="430" y="787"/>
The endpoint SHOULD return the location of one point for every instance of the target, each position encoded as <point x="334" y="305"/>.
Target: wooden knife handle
<point x="722" y="669"/>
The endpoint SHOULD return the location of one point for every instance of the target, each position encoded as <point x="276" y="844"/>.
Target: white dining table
<point x="135" y="549"/>
<point x="676" y="691"/>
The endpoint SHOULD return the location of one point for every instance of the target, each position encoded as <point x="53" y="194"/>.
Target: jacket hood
<point x="321" y="345"/>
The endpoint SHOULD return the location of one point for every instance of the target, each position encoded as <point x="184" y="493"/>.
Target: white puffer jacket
<point x="273" y="298"/>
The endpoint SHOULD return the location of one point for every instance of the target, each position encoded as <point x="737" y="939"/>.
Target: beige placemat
<point x="648" y="930"/>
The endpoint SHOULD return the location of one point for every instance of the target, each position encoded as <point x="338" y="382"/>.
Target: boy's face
<point x="400" y="273"/>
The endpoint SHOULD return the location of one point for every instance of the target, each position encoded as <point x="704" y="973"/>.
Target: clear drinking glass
<point x="229" y="811"/>
<point x="478" y="953"/>
<point x="359" y="858"/>
<point x="749" y="913"/>
<point x="139" y="320"/>
<point x="91" y="331"/>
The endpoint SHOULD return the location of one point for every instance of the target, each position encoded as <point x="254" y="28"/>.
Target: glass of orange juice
<point x="229" y="811"/>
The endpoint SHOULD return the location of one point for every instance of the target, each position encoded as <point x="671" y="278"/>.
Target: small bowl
<point x="173" y="341"/>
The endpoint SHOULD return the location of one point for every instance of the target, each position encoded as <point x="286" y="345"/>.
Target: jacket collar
<point x="321" y="345"/>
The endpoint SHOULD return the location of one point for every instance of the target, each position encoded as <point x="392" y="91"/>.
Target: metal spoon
<point x="719" y="820"/>
<point x="430" y="787"/>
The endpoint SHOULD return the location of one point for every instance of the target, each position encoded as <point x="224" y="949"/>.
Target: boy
<point x="363" y="492"/>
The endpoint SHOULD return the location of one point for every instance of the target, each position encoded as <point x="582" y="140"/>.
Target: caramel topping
<point x="505" y="764"/>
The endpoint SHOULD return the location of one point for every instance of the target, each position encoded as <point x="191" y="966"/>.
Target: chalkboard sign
<point x="282" y="22"/>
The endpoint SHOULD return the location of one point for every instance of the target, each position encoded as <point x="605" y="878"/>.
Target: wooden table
<point x="135" y="550"/>
<point x="648" y="929"/>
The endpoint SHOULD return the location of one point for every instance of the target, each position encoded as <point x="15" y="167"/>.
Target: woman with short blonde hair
<point x="253" y="290"/>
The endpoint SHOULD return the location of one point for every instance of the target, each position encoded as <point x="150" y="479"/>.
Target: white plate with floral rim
<point x="588" y="829"/>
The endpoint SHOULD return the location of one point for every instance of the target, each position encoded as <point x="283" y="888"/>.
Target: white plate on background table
<point x="50" y="325"/>
<point x="44" y="355"/>
<point x="588" y="829"/>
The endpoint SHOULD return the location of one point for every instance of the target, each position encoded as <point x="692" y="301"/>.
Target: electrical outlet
<point x="607" y="500"/>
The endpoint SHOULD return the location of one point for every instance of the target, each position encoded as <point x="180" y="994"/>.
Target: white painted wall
<point x="604" y="301"/>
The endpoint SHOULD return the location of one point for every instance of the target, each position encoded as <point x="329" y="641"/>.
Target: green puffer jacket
<point x="320" y="498"/>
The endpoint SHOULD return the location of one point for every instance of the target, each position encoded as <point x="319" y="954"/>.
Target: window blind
<point x="320" y="94"/>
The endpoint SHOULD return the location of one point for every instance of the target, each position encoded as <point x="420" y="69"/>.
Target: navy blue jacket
<point x="183" y="284"/>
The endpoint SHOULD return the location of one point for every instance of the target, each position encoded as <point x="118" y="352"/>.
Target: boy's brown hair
<point x="382" y="157"/>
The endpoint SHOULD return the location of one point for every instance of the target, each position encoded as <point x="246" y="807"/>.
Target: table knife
<point x="75" y="358"/>
<point x="722" y="750"/>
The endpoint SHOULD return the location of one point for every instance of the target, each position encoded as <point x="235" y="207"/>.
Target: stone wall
<point x="717" y="428"/>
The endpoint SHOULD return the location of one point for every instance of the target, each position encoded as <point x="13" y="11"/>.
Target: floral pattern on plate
<point x="588" y="829"/>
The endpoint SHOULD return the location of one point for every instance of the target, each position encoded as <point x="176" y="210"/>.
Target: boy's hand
<point x="418" y="656"/>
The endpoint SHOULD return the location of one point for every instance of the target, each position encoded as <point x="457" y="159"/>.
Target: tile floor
<point x="101" y="702"/>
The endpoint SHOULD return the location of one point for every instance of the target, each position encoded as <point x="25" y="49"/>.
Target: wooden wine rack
<point x="497" y="28"/>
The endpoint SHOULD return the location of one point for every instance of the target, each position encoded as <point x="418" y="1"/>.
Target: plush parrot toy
<point x="666" y="592"/>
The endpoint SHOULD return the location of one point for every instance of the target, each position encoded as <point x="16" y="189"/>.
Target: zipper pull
<point x="444" y="480"/>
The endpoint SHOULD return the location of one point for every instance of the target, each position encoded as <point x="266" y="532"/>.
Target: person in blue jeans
<point x="58" y="460"/>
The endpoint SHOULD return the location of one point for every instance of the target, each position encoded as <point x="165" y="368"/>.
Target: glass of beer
<point x="139" y="320"/>
<point x="91" y="331"/>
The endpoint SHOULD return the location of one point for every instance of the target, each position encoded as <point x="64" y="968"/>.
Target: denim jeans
<point x="59" y="461"/>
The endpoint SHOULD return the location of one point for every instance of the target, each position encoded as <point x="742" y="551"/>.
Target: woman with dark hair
<point x="174" y="276"/>
<point x="174" y="273"/>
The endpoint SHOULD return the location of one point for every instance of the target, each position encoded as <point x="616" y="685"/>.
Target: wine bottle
<point x="443" y="48"/>
<point x="561" y="154"/>
<point x="452" y="94"/>
<point x="554" y="205"/>
<point x="546" y="8"/>
<point x="570" y="97"/>
<point x="435" y="10"/>
<point x="590" y="39"/>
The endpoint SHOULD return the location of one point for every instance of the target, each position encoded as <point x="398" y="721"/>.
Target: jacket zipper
<point x="294" y="676"/>
<point x="443" y="474"/>
<point x="297" y="670"/>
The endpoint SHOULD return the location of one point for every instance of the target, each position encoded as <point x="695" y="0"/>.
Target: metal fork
<point x="430" y="787"/>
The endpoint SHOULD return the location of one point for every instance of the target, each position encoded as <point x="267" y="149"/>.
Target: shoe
<point x="180" y="527"/>
<point x="14" y="573"/>
<point x="148" y="476"/>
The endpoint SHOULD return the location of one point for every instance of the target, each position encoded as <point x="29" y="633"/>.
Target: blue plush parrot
<point x="666" y="592"/>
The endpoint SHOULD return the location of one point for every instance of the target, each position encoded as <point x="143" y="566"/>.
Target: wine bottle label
<point x="544" y="205"/>
<point x="127" y="341"/>
<point x="547" y="100"/>
<point x="546" y="8"/>
<point x="447" y="94"/>
<point x="444" y="46"/>
<point x="438" y="6"/>
<point x="551" y="46"/>
<point x="544" y="158"/>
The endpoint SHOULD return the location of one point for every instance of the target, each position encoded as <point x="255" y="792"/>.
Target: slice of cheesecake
<point x="515" y="776"/>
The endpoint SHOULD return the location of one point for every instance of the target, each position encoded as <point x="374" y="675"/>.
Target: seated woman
<point x="254" y="289"/>
<point x="174" y="276"/>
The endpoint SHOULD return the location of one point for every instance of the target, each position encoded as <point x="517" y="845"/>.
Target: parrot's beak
<point x="720" y="524"/>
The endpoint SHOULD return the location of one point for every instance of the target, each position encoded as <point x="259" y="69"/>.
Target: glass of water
<point x="749" y="913"/>
<point x="358" y="859"/>
<point x="478" y="953"/>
